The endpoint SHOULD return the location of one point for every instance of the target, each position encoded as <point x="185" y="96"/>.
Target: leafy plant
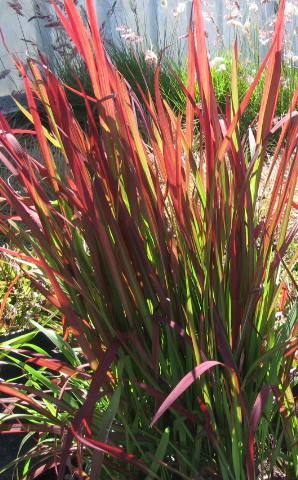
<point x="166" y="276"/>
<point x="19" y="302"/>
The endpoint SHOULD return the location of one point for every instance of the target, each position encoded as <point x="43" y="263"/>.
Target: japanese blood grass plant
<point x="165" y="276"/>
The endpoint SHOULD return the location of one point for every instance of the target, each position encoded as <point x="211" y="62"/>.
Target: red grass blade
<point x="183" y="385"/>
<point x="84" y="414"/>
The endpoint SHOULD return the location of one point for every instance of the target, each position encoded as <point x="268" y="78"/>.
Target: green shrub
<point x="132" y="64"/>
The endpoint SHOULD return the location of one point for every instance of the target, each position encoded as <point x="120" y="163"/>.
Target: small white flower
<point x="151" y="57"/>
<point x="132" y="37"/>
<point x="122" y="28"/>
<point x="236" y="24"/>
<point x="264" y="37"/>
<point x="291" y="10"/>
<point x="221" y="67"/>
<point x="137" y="39"/>
<point x="127" y="36"/>
<point x="280" y="320"/>
<point x="253" y="7"/>
<point x="291" y="57"/>
<point x="206" y="16"/>
<point x="246" y="26"/>
<point x="179" y="9"/>
<point x="216" y="61"/>
<point x="235" y="13"/>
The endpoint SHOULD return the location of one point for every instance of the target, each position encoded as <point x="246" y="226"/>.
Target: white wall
<point x="22" y="37"/>
<point x="155" y="20"/>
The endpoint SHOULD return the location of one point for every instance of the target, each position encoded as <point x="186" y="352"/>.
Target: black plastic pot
<point x="48" y="475"/>
<point x="9" y="443"/>
<point x="9" y="370"/>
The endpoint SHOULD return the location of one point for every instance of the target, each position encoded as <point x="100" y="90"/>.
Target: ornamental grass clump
<point x="167" y="279"/>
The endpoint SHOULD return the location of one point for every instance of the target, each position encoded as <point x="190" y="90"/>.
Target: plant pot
<point x="48" y="475"/>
